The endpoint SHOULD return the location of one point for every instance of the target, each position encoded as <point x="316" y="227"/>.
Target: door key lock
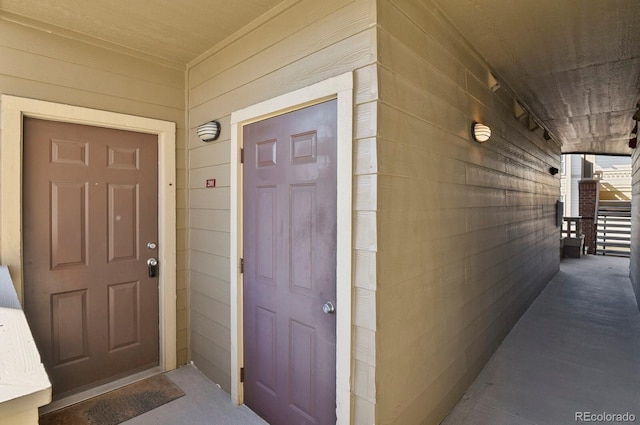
<point x="152" y="264"/>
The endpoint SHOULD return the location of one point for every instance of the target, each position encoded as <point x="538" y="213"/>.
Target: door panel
<point x="124" y="326"/>
<point x="123" y="222"/>
<point x="68" y="224"/>
<point x="89" y="209"/>
<point x="290" y="266"/>
<point x="70" y="327"/>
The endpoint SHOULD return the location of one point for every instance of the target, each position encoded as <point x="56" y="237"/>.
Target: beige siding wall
<point x="466" y="232"/>
<point x="452" y="239"/>
<point x="303" y="44"/>
<point x="635" y="223"/>
<point x="44" y="66"/>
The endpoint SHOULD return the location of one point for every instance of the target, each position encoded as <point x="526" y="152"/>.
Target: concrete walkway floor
<point x="204" y="403"/>
<point x="576" y="351"/>
<point x="574" y="354"/>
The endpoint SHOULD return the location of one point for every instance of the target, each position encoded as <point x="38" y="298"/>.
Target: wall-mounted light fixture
<point x="633" y="141"/>
<point x="493" y="84"/>
<point x="553" y="171"/>
<point x="518" y="110"/>
<point x="209" y="131"/>
<point x="636" y="116"/>
<point x="480" y="132"/>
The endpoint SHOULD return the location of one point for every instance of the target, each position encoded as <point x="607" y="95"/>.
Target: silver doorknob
<point x="328" y="307"/>
<point x="152" y="264"/>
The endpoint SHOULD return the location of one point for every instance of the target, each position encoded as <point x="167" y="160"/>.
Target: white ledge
<point x="24" y="384"/>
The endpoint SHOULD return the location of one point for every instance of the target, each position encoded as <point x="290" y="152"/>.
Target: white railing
<point x="572" y="227"/>
<point x="24" y="385"/>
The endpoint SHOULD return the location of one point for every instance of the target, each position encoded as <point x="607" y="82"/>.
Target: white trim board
<point x="340" y="88"/>
<point x="12" y="111"/>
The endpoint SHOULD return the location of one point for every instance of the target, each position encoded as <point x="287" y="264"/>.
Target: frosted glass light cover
<point x="480" y="132"/>
<point x="209" y="131"/>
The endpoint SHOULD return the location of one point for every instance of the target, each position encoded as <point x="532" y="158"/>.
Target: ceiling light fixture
<point x="209" y="131"/>
<point x="480" y="132"/>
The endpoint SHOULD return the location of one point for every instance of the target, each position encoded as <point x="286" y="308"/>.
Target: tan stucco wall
<point x="466" y="232"/>
<point x="41" y="65"/>
<point x="304" y="44"/>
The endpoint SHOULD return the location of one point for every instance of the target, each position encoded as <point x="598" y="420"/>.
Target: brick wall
<point x="587" y="204"/>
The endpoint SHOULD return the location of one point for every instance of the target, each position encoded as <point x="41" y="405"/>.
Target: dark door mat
<point x="117" y="406"/>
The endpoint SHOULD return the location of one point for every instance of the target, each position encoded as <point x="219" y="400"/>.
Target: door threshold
<point x="99" y="390"/>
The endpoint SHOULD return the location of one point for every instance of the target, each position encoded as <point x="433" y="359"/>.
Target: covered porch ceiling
<point x="575" y="64"/>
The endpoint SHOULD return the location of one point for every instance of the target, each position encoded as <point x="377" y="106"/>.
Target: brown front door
<point x="89" y="210"/>
<point x="290" y="266"/>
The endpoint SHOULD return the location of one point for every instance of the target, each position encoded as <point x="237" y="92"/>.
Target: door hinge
<point x="241" y="155"/>
<point x="242" y="265"/>
<point x="241" y="374"/>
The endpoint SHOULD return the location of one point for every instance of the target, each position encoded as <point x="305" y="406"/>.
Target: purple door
<point x="290" y="266"/>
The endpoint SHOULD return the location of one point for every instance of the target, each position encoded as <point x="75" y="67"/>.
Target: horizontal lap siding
<point x="466" y="232"/>
<point x="306" y="43"/>
<point x="39" y="65"/>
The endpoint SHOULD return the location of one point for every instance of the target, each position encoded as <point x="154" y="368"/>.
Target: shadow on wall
<point x="608" y="192"/>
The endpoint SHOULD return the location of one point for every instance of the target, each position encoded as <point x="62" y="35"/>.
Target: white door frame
<point x="340" y="88"/>
<point x="12" y="111"/>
